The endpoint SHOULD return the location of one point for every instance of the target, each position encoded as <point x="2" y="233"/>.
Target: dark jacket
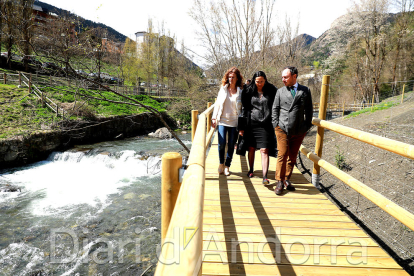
<point x="293" y="115"/>
<point x="246" y="118"/>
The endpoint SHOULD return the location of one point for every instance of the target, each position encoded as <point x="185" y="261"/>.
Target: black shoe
<point x="250" y="174"/>
<point x="279" y="187"/>
<point x="289" y="186"/>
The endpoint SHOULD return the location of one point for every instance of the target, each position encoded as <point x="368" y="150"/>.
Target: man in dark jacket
<point x="291" y="117"/>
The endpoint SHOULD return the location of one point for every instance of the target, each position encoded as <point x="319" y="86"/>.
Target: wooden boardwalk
<point x="248" y="230"/>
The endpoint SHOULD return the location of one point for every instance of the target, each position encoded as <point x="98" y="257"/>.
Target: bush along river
<point x="92" y="210"/>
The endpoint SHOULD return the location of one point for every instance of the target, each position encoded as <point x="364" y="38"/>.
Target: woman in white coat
<point x="225" y="116"/>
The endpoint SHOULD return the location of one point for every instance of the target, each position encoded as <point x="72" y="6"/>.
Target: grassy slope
<point x="385" y="104"/>
<point x="23" y="114"/>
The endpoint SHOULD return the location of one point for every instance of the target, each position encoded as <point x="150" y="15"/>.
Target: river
<point x="92" y="210"/>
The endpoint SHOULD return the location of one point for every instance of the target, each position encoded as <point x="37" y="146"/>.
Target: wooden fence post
<point x="194" y="121"/>
<point x="5" y="78"/>
<point x="20" y="78"/>
<point x="209" y="118"/>
<point x="30" y="83"/>
<point x="402" y="96"/>
<point x="321" y="131"/>
<point x="170" y="187"/>
<point x="372" y="104"/>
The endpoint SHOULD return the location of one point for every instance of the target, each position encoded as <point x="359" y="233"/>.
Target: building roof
<point x="37" y="8"/>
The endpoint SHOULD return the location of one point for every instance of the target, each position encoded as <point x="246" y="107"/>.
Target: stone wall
<point x="37" y="147"/>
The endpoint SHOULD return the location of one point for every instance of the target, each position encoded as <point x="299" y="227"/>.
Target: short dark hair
<point x="293" y="70"/>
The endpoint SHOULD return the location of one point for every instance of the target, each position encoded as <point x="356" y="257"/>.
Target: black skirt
<point x="261" y="136"/>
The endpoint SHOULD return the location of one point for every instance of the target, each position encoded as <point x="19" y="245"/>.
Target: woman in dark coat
<point x="255" y="122"/>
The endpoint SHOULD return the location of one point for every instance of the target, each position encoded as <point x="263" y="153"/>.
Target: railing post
<point x="30" y="83"/>
<point x="5" y="78"/>
<point x="20" y="78"/>
<point x="373" y="98"/>
<point x="194" y="122"/>
<point x="170" y="187"/>
<point x="321" y="131"/>
<point x="209" y="117"/>
<point x="402" y="96"/>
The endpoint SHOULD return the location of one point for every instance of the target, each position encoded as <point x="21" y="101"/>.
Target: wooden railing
<point x="181" y="247"/>
<point x="397" y="147"/>
<point x="46" y="101"/>
<point x="342" y="107"/>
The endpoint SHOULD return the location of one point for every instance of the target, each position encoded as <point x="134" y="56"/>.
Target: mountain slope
<point x="83" y="22"/>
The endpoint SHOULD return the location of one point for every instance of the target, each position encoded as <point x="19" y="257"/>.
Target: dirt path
<point x="388" y="173"/>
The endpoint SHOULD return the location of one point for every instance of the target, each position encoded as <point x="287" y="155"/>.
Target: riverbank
<point x="22" y="150"/>
<point x="387" y="173"/>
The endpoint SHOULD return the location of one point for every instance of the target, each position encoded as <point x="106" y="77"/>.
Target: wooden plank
<point x="301" y="259"/>
<point x="260" y="229"/>
<point x="292" y="210"/>
<point x="278" y="222"/>
<point x="296" y="194"/>
<point x="286" y="216"/>
<point x="261" y="269"/>
<point x="275" y="204"/>
<point x="296" y="248"/>
<point x="311" y="238"/>
<point x="282" y="199"/>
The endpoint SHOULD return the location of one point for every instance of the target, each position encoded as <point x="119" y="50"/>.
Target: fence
<point x="188" y="210"/>
<point x="149" y="89"/>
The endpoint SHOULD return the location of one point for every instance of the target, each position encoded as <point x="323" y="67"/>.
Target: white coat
<point x="221" y="98"/>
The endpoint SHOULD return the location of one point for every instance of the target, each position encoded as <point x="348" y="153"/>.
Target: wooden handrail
<point x="397" y="147"/>
<point x="181" y="252"/>
<point x="384" y="203"/>
<point x="210" y="136"/>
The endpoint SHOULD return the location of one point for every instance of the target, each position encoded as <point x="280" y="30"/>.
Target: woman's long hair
<point x="236" y="71"/>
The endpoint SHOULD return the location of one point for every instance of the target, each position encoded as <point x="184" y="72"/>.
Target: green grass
<point x="23" y="114"/>
<point x="385" y="104"/>
<point x="20" y="115"/>
<point x="103" y="108"/>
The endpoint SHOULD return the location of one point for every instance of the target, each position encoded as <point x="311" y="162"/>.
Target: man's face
<point x="287" y="78"/>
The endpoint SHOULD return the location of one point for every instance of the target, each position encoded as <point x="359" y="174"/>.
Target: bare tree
<point x="25" y="28"/>
<point x="233" y="31"/>
<point x="370" y="18"/>
<point x="403" y="22"/>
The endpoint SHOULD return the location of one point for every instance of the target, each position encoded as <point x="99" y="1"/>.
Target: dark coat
<point x="244" y="122"/>
<point x="293" y="115"/>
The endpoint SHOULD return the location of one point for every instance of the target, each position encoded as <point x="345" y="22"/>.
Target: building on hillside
<point x="112" y="47"/>
<point x="139" y="37"/>
<point x="41" y="16"/>
<point x="168" y="42"/>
